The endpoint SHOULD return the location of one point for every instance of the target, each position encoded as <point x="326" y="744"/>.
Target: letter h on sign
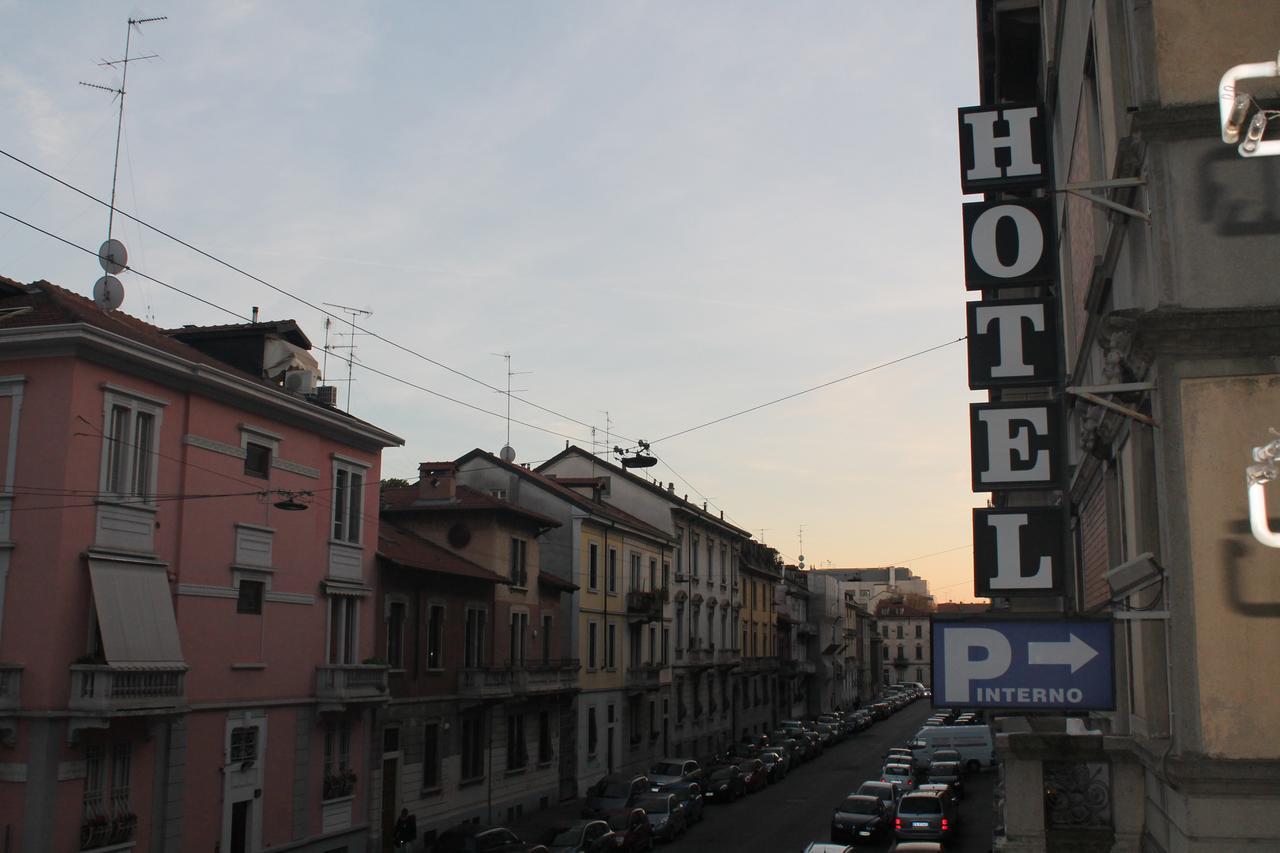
<point x="1003" y="147"/>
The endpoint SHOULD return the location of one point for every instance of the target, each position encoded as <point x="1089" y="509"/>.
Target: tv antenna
<point x="351" y="347"/>
<point x="507" y="449"/>
<point x="108" y="292"/>
<point x="802" y="546"/>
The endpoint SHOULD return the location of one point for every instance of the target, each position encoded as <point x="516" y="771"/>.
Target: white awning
<point x="135" y="612"/>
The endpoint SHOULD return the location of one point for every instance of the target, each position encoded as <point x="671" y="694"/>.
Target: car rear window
<point x="920" y="805"/>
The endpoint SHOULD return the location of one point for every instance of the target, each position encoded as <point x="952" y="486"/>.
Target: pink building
<point x="182" y="648"/>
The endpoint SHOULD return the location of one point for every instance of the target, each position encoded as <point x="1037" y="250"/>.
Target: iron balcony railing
<point x="119" y="689"/>
<point x="646" y="677"/>
<point x="810" y="628"/>
<point x="495" y="682"/>
<point x="646" y="605"/>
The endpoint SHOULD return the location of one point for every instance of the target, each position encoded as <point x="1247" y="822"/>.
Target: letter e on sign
<point x="1015" y="445"/>
<point x="1002" y="147"/>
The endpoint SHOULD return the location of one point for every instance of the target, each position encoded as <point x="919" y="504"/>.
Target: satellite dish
<point x="508" y="453"/>
<point x="108" y="292"/>
<point x="113" y="257"/>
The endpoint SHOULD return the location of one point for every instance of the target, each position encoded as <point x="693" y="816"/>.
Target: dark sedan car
<point x="690" y="795"/>
<point x="860" y="818"/>
<point x="947" y="773"/>
<point x="726" y="783"/>
<point x="581" y="836"/>
<point x="776" y="764"/>
<point x="613" y="792"/>
<point x="632" y="832"/>
<point x="754" y="774"/>
<point x="666" y="815"/>
<point x="475" y="838"/>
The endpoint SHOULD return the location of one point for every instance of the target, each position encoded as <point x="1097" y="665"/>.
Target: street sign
<point x="1062" y="665"/>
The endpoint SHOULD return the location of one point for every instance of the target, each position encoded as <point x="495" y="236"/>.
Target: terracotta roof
<point x="399" y="546"/>
<point x="51" y="305"/>
<point x="556" y="486"/>
<point x="286" y="329"/>
<point x="466" y="499"/>
<point x="681" y="503"/>
<point x="555" y="582"/>
<point x="962" y="607"/>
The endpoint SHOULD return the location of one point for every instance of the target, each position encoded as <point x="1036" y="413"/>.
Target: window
<point x="92" y="802"/>
<point x="593" y="733"/>
<point x="666" y="643"/>
<point x="517" y="749"/>
<point x="679" y="626"/>
<point x="473" y="637"/>
<point x="724" y="629"/>
<point x="693" y="557"/>
<point x="635" y="571"/>
<point x="249" y="596"/>
<point x="723" y="564"/>
<point x="679" y="552"/>
<point x="342" y="629"/>
<point x="519" y="569"/>
<point x="613" y="570"/>
<point x="244" y="744"/>
<point x="593" y="576"/>
<point x="753" y="595"/>
<point x="711" y="628"/>
<point x="611" y="638"/>
<point x="546" y="639"/>
<point x="899" y="632"/>
<point x="435" y="636"/>
<point x="653" y="574"/>
<point x="919" y="652"/>
<point x="919" y="632"/>
<point x="337" y="760"/>
<point x="666" y="575"/>
<point x="653" y="644"/>
<point x="348" y="501"/>
<point x="257" y="459"/>
<point x="519" y="629"/>
<point x="886" y="652"/>
<point x="544" y="737"/>
<point x="130" y="463"/>
<point x="711" y="561"/>
<point x="395" y="634"/>
<point x="430" y="756"/>
<point x="693" y="625"/>
<point x="884" y="631"/>
<point x="472" y="746"/>
<point x="121" y="772"/>
<point x="592" y="628"/>
<point x="634" y="642"/>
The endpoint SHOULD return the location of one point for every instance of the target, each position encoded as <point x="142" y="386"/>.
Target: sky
<point x="665" y="212"/>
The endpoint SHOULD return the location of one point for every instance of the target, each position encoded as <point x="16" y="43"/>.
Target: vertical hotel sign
<point x="1013" y="343"/>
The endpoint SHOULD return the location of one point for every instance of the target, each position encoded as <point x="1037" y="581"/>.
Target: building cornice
<point x="122" y="353"/>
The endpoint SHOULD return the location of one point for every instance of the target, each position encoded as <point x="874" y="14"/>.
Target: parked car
<point x="900" y="755"/>
<point x="815" y="741"/>
<point x="632" y="832"/>
<point x="613" y="792"/>
<point x="947" y="773"/>
<point x="861" y="817"/>
<point x="674" y="771"/>
<point x="726" y="783"/>
<point x="824" y="847"/>
<point x="580" y="836"/>
<point x="477" y="838"/>
<point x="776" y="764"/>
<point x="901" y="774"/>
<point x="666" y="814"/>
<point x="754" y="774"/>
<point x="924" y="815"/>
<point x="946" y="755"/>
<point x="881" y="710"/>
<point x="947" y="794"/>
<point x="888" y="792"/>
<point x="916" y="847"/>
<point x="690" y="795"/>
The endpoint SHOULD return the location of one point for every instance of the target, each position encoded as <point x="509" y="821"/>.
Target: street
<point x="786" y="817"/>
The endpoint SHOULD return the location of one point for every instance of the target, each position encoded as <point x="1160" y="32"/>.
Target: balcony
<point x="500" y="682"/>
<point x="700" y="657"/>
<point x="343" y="683"/>
<point x="106" y="689"/>
<point x="759" y="664"/>
<point x="726" y="657"/>
<point x="647" y="677"/>
<point x="645" y="606"/>
<point x="902" y="662"/>
<point x="809" y="628"/>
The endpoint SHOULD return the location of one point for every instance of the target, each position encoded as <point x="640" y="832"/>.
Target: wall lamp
<point x="1234" y="106"/>
<point x="1256" y="479"/>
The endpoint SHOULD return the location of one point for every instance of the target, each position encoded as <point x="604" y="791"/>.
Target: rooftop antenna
<point x="108" y="292"/>
<point x="802" y="546"/>
<point x="324" y="364"/>
<point x="351" y="360"/>
<point x="508" y="453"/>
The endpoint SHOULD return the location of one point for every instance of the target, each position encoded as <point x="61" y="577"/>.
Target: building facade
<point x="1165" y="317"/>
<point x="906" y="649"/>
<point x="159" y="493"/>
<point x="760" y="572"/>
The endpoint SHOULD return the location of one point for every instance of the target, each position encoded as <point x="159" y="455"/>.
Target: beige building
<point x="1170" y="307"/>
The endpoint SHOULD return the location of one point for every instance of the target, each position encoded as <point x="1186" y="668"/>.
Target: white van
<point x="974" y="744"/>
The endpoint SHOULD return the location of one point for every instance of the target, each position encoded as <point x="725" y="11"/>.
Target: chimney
<point x="255" y="313"/>
<point x="437" y="481"/>
<point x="671" y="487"/>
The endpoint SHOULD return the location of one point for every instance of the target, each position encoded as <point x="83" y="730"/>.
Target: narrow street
<point x="789" y="815"/>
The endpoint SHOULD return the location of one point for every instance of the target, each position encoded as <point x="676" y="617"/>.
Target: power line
<point x="862" y="372"/>
<point x="292" y="296"/>
<point x="246" y="319"/>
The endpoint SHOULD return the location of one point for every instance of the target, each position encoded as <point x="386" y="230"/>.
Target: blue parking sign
<point x="1064" y="665"/>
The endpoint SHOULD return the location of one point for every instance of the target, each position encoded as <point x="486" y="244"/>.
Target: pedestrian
<point x="406" y="830"/>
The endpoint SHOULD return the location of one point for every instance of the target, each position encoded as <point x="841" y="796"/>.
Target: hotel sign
<point x="1013" y="343"/>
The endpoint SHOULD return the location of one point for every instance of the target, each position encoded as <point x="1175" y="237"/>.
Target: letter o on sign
<point x="1006" y="243"/>
<point x="1030" y="246"/>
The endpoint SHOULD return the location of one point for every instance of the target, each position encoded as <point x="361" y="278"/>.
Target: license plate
<point x="920" y="823"/>
<point x="863" y="832"/>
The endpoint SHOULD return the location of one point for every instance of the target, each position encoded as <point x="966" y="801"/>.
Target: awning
<point x="135" y="612"/>
<point x="334" y="586"/>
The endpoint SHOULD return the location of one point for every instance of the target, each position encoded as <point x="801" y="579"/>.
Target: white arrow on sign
<point x="1075" y="652"/>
